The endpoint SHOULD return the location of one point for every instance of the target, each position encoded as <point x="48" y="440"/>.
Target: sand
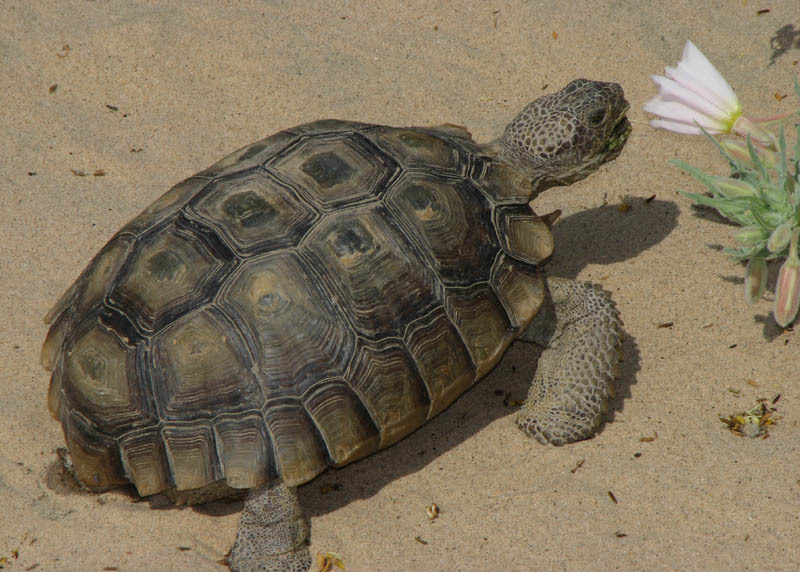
<point x="150" y="93"/>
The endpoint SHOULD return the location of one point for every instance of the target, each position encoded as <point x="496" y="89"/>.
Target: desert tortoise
<point x="318" y="295"/>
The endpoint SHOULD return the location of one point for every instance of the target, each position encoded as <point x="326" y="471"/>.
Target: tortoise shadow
<point x="609" y="234"/>
<point x="602" y="235"/>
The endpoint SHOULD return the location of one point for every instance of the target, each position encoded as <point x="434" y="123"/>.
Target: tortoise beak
<point x="619" y="133"/>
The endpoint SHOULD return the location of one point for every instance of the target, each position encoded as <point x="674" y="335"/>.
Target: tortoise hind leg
<point x="581" y="330"/>
<point x="273" y="534"/>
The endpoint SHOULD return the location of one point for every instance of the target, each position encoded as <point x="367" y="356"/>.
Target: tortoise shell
<point x="306" y="301"/>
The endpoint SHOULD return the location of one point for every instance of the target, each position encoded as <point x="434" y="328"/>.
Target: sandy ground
<point x="151" y="93"/>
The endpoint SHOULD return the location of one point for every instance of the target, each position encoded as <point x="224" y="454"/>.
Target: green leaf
<point x="756" y="159"/>
<point x="731" y="188"/>
<point x="796" y="158"/>
<point x="719" y="147"/>
<point x="697" y="174"/>
<point x="741" y="254"/>
<point x="797" y="140"/>
<point x="775" y="197"/>
<point x="737" y="209"/>
<point x="765" y="217"/>
<point x="796" y="87"/>
<point x="783" y="170"/>
<point x="752" y="236"/>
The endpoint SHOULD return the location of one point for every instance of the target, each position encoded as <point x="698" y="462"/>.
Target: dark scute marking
<point x="164" y="266"/>
<point x="351" y="239"/>
<point x="327" y="169"/>
<point x="249" y="209"/>
<point x="94" y="367"/>
<point x="421" y="198"/>
<point x="272" y="303"/>
<point x="266" y="300"/>
<point x="198" y="348"/>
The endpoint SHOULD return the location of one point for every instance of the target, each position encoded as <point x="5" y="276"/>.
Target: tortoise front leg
<point x="273" y="534"/>
<point x="581" y="331"/>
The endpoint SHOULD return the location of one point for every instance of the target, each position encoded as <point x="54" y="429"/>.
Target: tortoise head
<point x="563" y="137"/>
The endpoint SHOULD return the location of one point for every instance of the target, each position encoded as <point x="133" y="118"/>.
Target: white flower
<point x="694" y="94"/>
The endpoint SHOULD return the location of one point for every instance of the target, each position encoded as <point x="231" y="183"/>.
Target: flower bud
<point x="770" y="218"/>
<point x="744" y="127"/>
<point x="775" y="198"/>
<point x="732" y="188"/>
<point x="738" y="150"/>
<point x="755" y="280"/>
<point x="787" y="290"/>
<point x="780" y="237"/>
<point x="751" y="235"/>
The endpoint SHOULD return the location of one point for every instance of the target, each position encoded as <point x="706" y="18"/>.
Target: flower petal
<point x="678" y="113"/>
<point x="695" y="72"/>
<point x="675" y="127"/>
<point x="671" y="90"/>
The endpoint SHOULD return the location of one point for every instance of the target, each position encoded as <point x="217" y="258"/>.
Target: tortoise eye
<point x="596" y="118"/>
